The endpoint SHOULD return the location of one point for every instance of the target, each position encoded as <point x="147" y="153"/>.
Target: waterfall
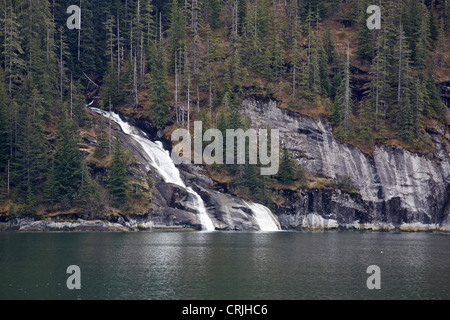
<point x="160" y="159"/>
<point x="264" y="217"/>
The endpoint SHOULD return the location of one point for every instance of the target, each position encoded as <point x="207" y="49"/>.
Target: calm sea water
<point x="224" y="265"/>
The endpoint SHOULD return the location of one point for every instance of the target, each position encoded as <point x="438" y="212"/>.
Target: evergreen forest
<point x="178" y="61"/>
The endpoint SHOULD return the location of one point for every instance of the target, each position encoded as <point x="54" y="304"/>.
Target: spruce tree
<point x="89" y="195"/>
<point x="29" y="163"/>
<point x="252" y="182"/>
<point x="4" y="139"/>
<point x="411" y="21"/>
<point x="387" y="59"/>
<point x="110" y="87"/>
<point x="214" y="8"/>
<point x="277" y="56"/>
<point x="13" y="60"/>
<point x="343" y="103"/>
<point x="364" y="36"/>
<point x="102" y="148"/>
<point x="160" y="93"/>
<point x="4" y="126"/>
<point x="433" y="28"/>
<point x="287" y="170"/>
<point x="66" y="172"/>
<point x="177" y="33"/>
<point x="404" y="113"/>
<point x="117" y="182"/>
<point x="126" y="82"/>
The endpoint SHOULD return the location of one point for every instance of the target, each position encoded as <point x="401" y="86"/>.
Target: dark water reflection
<point x="224" y="265"/>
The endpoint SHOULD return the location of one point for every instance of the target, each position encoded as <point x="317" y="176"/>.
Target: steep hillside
<point x="168" y="64"/>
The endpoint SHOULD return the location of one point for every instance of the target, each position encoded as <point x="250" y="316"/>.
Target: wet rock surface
<point x="396" y="187"/>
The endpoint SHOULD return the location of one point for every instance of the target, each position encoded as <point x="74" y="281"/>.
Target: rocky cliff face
<point x="175" y="207"/>
<point x="397" y="188"/>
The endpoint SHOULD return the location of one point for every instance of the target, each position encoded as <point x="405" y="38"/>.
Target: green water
<point x="224" y="265"/>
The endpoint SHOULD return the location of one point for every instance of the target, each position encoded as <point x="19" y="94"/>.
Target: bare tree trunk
<point x="176" y="90"/>
<point x="6" y="27"/>
<point x="384" y="80"/>
<point x="188" y="101"/>
<point x="131" y="39"/>
<point x="179" y="86"/>
<point x="79" y="40"/>
<point x="142" y="60"/>
<point x="294" y="79"/>
<point x="198" y="99"/>
<point x="293" y="82"/>
<point x="10" y="54"/>
<point x="71" y="97"/>
<point x="160" y="30"/>
<point x="309" y="39"/>
<point x="48" y="45"/>
<point x="61" y="70"/>
<point x="255" y="26"/>
<point x="195" y="40"/>
<point x="9" y="172"/>
<point x="140" y="43"/>
<point x="209" y="73"/>
<point x="347" y="89"/>
<point x="377" y="95"/>
<point x="135" y="85"/>
<point x="109" y="128"/>
<point x="210" y="95"/>
<point x="148" y="21"/>
<point x="111" y="43"/>
<point x="118" y="52"/>
<point x="399" y="91"/>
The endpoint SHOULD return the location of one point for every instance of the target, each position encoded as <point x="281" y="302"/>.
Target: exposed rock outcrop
<point x="398" y="189"/>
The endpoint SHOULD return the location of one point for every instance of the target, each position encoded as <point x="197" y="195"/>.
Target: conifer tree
<point x="214" y="8"/>
<point x="66" y="172"/>
<point x="127" y="82"/>
<point x="159" y="105"/>
<point x="12" y="50"/>
<point x="343" y="104"/>
<point x="433" y="27"/>
<point x="277" y="56"/>
<point x="440" y="57"/>
<point x="102" y="149"/>
<point x="286" y="173"/>
<point x="296" y="59"/>
<point x="314" y="55"/>
<point x="252" y="182"/>
<point x="118" y="177"/>
<point x="404" y="112"/>
<point x="177" y="33"/>
<point x="110" y="86"/>
<point x="364" y="36"/>
<point x="411" y="21"/>
<point x="29" y="162"/>
<point x="89" y="195"/>
<point x="4" y="127"/>
<point x="376" y="87"/>
<point x="328" y="64"/>
<point x="89" y="51"/>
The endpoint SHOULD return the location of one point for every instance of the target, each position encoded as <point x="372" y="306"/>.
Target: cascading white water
<point x="264" y="217"/>
<point x="160" y="159"/>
